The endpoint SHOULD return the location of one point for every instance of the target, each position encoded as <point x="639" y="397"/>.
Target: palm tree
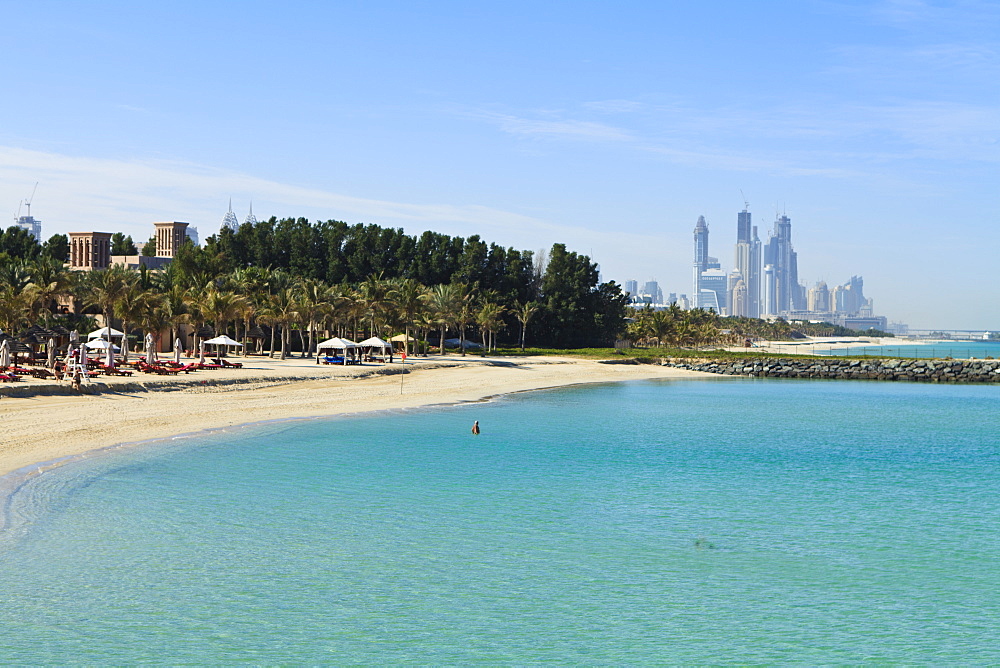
<point x="176" y="309"/>
<point x="660" y="326"/>
<point x="153" y="318"/>
<point x="374" y="295"/>
<point x="490" y="320"/>
<point x="252" y="284"/>
<point x="524" y="313"/>
<point x="463" y="312"/>
<point x="409" y="297"/>
<point x="103" y="288"/>
<point x="281" y="310"/>
<point x="14" y="308"/>
<point x="128" y="307"/>
<point x="50" y="280"/>
<point x="314" y="299"/>
<point x="221" y="307"/>
<point x="444" y="303"/>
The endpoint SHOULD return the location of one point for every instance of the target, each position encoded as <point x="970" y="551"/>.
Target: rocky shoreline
<point x="930" y="371"/>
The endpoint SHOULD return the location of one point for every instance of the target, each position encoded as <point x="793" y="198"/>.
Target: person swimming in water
<point x="475" y="428"/>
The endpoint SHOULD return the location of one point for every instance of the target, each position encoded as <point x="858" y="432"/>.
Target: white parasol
<point x="5" y="353"/>
<point x="177" y="351"/>
<point x="104" y="333"/>
<point x="220" y="341"/>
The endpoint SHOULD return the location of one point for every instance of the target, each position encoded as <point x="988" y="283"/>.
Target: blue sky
<point x="607" y="126"/>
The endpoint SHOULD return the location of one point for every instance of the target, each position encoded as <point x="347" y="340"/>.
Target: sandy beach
<point x="45" y="421"/>
<point x="822" y="345"/>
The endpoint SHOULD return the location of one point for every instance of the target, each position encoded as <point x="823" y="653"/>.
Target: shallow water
<point x="711" y="521"/>
<point x="953" y="349"/>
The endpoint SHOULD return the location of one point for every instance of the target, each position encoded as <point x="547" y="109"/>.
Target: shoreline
<point x="809" y="345"/>
<point x="48" y="429"/>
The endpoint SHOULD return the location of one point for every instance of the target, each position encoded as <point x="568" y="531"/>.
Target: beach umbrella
<point x="201" y="351"/>
<point x="109" y="359"/>
<point x="52" y="353"/>
<point x="5" y="353"/>
<point x="177" y="351"/>
<point x="104" y="333"/>
<point x="150" y="353"/>
<point x="74" y="336"/>
<point x="222" y="341"/>
<point x="99" y="344"/>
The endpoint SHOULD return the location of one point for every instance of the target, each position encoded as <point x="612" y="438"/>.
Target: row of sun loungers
<point x="96" y="368"/>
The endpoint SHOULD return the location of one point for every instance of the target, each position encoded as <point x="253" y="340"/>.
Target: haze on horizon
<point x="611" y="128"/>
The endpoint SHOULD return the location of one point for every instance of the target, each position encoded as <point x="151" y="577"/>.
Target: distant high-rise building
<point x="230" y="222"/>
<point x="819" y="298"/>
<point x="651" y="292"/>
<point x="250" y="220"/>
<point x="700" y="254"/>
<point x="769" y="292"/>
<point x="714" y="291"/>
<point x="743" y="226"/>
<point x="738" y="298"/>
<point x="779" y="253"/>
<point x="747" y="267"/>
<point x="32" y="225"/>
<point x="848" y="298"/>
<point x="632" y="287"/>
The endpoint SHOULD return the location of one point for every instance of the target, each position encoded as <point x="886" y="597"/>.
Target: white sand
<point x="44" y="428"/>
<point x="820" y="345"/>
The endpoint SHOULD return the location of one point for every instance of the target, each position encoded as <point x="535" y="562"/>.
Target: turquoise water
<point x="954" y="349"/>
<point x="733" y="520"/>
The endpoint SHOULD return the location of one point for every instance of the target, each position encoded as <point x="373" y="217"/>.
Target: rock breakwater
<point x="931" y="371"/>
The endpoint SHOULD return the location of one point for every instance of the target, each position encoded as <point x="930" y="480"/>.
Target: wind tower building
<point x="169" y="237"/>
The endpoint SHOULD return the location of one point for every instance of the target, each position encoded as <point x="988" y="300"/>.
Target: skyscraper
<point x="700" y="254"/>
<point x="229" y="222"/>
<point x="746" y="267"/>
<point x="779" y="253"/>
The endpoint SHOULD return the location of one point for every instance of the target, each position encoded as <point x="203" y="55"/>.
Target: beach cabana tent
<point x="376" y="346"/>
<point x="222" y="341"/>
<point x="337" y="346"/>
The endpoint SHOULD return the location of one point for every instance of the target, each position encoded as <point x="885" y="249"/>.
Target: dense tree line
<point x="291" y="275"/>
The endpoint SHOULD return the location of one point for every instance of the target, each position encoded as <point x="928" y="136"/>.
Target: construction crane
<point x="27" y="202"/>
<point x="746" y="204"/>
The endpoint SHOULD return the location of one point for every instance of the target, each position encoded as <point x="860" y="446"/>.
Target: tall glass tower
<point x="700" y="255"/>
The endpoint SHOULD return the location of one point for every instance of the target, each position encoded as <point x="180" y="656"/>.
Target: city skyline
<point x="872" y="125"/>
